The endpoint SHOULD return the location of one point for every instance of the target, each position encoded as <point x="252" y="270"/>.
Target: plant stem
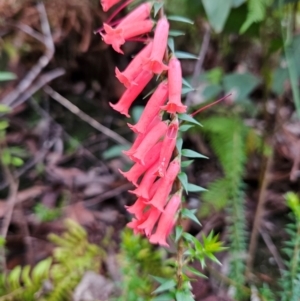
<point x="179" y="256"/>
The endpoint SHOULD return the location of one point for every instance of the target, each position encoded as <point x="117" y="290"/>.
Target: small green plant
<point x="46" y="214"/>
<point x="290" y="281"/>
<point x="54" y="278"/>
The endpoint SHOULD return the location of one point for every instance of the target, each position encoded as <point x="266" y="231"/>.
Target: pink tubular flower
<point x="137" y="208"/>
<point x="141" y="137"/>
<point x="166" y="221"/>
<point x="174" y="104"/>
<point x="117" y="36"/>
<point x="152" y="108"/>
<point x="150" y="222"/>
<point x="150" y="139"/>
<point x="134" y="68"/>
<point x="107" y="4"/>
<point x="144" y="187"/>
<point x="167" y="149"/>
<point x="132" y="92"/>
<point x="160" y="197"/>
<point x="140" y="13"/>
<point x="138" y="169"/>
<point x="154" y="63"/>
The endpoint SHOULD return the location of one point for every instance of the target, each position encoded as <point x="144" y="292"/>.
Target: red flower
<point x="150" y="221"/>
<point x="161" y="195"/>
<point x="107" y="4"/>
<point x="146" y="183"/>
<point x="152" y="108"/>
<point x="140" y="137"/>
<point x="134" y="68"/>
<point x="138" y="169"/>
<point x="132" y="92"/>
<point x="167" y="148"/>
<point x="117" y="36"/>
<point x="167" y="221"/>
<point x="154" y="63"/>
<point x="140" y="13"/>
<point x="138" y="208"/>
<point x="150" y="139"/>
<point x="174" y="104"/>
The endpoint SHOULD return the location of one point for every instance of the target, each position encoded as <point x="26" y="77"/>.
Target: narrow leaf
<point x="176" y="33"/>
<point x="4" y="76"/>
<point x="188" y="118"/>
<point x="185" y="55"/>
<point x="179" y="143"/>
<point x="171" y="44"/>
<point x="192" y="154"/>
<point x="185" y="127"/>
<point x="178" y="233"/>
<point x="195" y="188"/>
<point x="189" y="214"/>
<point x="180" y="19"/>
<point x="183" y="180"/>
<point x="186" y="83"/>
<point x="165" y="286"/>
<point x="195" y="272"/>
<point x="186" y="90"/>
<point x="186" y="163"/>
<point x="157" y="6"/>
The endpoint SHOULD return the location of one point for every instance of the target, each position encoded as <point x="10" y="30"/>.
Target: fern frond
<point x="228" y="139"/>
<point x="256" y="13"/>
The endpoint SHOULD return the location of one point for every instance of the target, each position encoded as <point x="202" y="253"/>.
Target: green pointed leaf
<point x="188" y="118"/>
<point x="195" y="272"/>
<point x="217" y="12"/>
<point x="191" y="215"/>
<point x="192" y="154"/>
<point x="186" y="90"/>
<point x="186" y="83"/>
<point x="179" y="143"/>
<point x="180" y="19"/>
<point x="165" y="286"/>
<point x="195" y="188"/>
<point x="183" y="180"/>
<point x="185" y="127"/>
<point x="157" y="6"/>
<point x="176" y="33"/>
<point x="185" y="55"/>
<point x="186" y="163"/>
<point x="171" y="44"/>
<point x="184" y="296"/>
<point x="178" y="233"/>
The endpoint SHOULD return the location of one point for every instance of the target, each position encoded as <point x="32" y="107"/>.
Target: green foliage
<point x="290" y="282"/>
<point x="54" y="279"/>
<point x="228" y="136"/>
<point x="256" y="12"/>
<point x="46" y="214"/>
<point x="138" y="260"/>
